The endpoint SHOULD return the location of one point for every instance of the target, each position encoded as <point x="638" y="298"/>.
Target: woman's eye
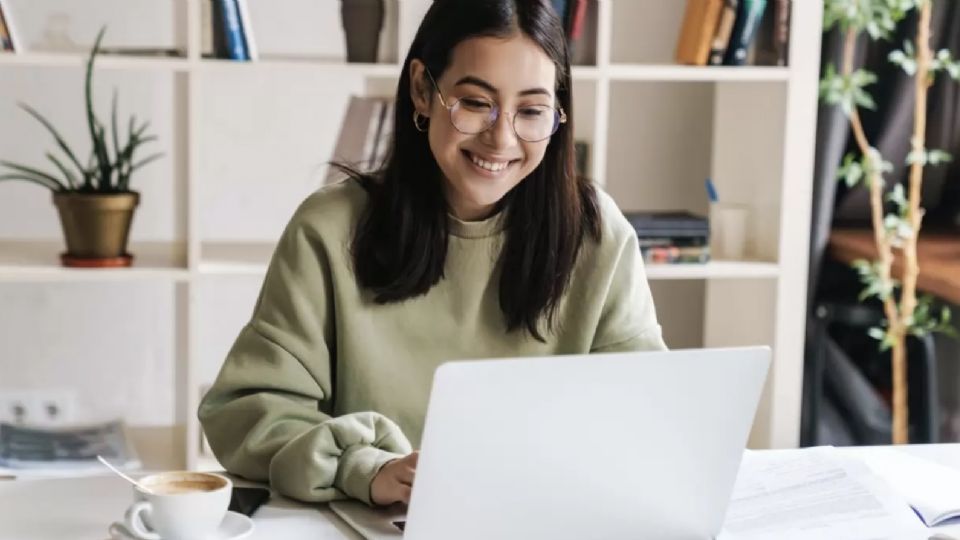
<point x="532" y="112"/>
<point x="476" y="104"/>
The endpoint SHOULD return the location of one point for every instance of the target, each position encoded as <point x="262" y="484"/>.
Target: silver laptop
<point x="609" y="446"/>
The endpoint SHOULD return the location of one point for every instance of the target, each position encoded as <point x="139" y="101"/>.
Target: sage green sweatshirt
<point x="323" y="386"/>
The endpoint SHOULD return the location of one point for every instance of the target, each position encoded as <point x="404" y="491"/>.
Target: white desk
<point x="82" y="508"/>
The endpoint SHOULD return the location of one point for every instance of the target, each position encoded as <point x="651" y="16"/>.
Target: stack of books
<point x="671" y="237"/>
<point x="9" y="41"/>
<point x="734" y="32"/>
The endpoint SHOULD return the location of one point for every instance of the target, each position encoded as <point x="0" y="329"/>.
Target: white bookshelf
<point x="655" y="130"/>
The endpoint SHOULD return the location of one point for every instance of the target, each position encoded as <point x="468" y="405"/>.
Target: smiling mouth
<point x="490" y="166"/>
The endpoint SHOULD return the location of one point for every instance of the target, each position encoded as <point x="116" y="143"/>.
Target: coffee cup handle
<point x="134" y="522"/>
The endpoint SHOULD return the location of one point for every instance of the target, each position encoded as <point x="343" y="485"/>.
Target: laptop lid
<point x="632" y="445"/>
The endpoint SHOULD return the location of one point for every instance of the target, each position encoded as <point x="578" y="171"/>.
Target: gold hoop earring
<point x="417" y="121"/>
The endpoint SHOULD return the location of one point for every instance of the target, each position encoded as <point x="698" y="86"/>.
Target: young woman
<point x="476" y="239"/>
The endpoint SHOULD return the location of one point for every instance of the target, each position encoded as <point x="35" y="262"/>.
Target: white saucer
<point x="233" y="527"/>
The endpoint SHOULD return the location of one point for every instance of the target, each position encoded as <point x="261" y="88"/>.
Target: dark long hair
<point x="401" y="239"/>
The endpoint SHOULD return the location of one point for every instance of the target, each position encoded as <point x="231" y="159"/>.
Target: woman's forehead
<point x="512" y="64"/>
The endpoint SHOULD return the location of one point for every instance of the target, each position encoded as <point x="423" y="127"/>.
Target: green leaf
<point x="36" y="180"/>
<point x="113" y="125"/>
<point x="877" y="333"/>
<point x="71" y="179"/>
<point x="936" y="157"/>
<point x="32" y="172"/>
<point x="53" y="131"/>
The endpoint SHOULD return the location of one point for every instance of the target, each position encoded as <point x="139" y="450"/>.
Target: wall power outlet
<point x="39" y="407"/>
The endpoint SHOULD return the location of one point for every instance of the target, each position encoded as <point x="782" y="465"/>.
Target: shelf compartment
<point x="235" y="258"/>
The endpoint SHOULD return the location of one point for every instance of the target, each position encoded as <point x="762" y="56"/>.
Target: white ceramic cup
<point x="181" y="505"/>
<point x="728" y="227"/>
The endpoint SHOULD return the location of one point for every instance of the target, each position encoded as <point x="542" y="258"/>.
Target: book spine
<point x="236" y="49"/>
<point x="781" y="35"/>
<point x="744" y="30"/>
<point x="700" y="23"/>
<point x="385" y="136"/>
<point x="5" y="44"/>
<point x="219" y="36"/>
<point x="560" y="6"/>
<point x="12" y="42"/>
<point x="676" y="255"/>
<point x="578" y="20"/>
<point x="245" y="21"/>
<point x="721" y="38"/>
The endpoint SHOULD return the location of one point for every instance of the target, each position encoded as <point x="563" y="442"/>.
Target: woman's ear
<point x="419" y="91"/>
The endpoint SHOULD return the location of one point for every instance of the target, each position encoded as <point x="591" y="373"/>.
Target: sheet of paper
<point x="931" y="488"/>
<point x="815" y="493"/>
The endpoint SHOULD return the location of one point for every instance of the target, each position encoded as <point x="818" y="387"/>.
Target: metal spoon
<point x="124" y="476"/>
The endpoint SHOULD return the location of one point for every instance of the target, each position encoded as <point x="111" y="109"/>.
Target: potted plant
<point x="896" y="213"/>
<point x="362" y="22"/>
<point x="93" y="199"/>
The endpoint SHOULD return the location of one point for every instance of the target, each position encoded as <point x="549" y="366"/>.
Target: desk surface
<point x="937" y="253"/>
<point x="82" y="508"/>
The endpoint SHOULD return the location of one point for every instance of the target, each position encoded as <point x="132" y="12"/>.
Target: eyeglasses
<point x="472" y="115"/>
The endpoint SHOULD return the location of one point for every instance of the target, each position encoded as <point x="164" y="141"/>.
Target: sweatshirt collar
<point x="491" y="226"/>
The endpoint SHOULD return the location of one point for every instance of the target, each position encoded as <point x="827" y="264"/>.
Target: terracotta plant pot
<point x="96" y="227"/>
<point x="362" y="23"/>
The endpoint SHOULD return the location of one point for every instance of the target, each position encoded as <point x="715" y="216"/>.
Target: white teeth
<point x="489" y="165"/>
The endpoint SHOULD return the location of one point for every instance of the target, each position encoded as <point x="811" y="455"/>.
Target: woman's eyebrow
<point x="476" y="81"/>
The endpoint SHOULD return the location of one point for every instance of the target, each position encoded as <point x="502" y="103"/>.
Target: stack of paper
<point x="815" y="493"/>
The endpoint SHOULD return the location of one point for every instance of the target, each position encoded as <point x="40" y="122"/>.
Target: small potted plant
<point x="93" y="199"/>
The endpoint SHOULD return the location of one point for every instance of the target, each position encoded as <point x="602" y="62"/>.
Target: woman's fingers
<point x="405" y="475"/>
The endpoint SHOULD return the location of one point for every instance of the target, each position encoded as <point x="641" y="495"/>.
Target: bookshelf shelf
<point x="25" y="261"/>
<point x="302" y="63"/>
<point x="109" y="62"/>
<point x="248" y="140"/>
<point x="714" y="270"/>
<point x="667" y="72"/>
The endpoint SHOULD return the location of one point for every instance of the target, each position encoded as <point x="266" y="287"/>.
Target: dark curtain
<point x="889" y="128"/>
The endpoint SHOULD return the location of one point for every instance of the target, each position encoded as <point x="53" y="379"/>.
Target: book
<point x="675" y="254"/>
<point x="699" y="25"/>
<point x="245" y="22"/>
<point x="773" y="36"/>
<point x="69" y="448"/>
<point x="560" y="6"/>
<point x="5" y="44"/>
<point x="360" y="131"/>
<point x="12" y="40"/>
<point x="213" y="40"/>
<point x="721" y="38"/>
<point x="233" y="31"/>
<point x="669" y="224"/>
<point x="379" y="156"/>
<point x="928" y="487"/>
<point x="749" y="15"/>
<point x="581" y="160"/>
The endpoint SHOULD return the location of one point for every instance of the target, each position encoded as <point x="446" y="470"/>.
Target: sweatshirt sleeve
<point x="267" y="416"/>
<point x="628" y="320"/>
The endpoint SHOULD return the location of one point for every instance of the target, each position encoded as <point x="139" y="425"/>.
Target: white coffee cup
<point x="180" y="505"/>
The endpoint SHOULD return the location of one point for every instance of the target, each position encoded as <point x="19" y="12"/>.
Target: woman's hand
<point x="394" y="481"/>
